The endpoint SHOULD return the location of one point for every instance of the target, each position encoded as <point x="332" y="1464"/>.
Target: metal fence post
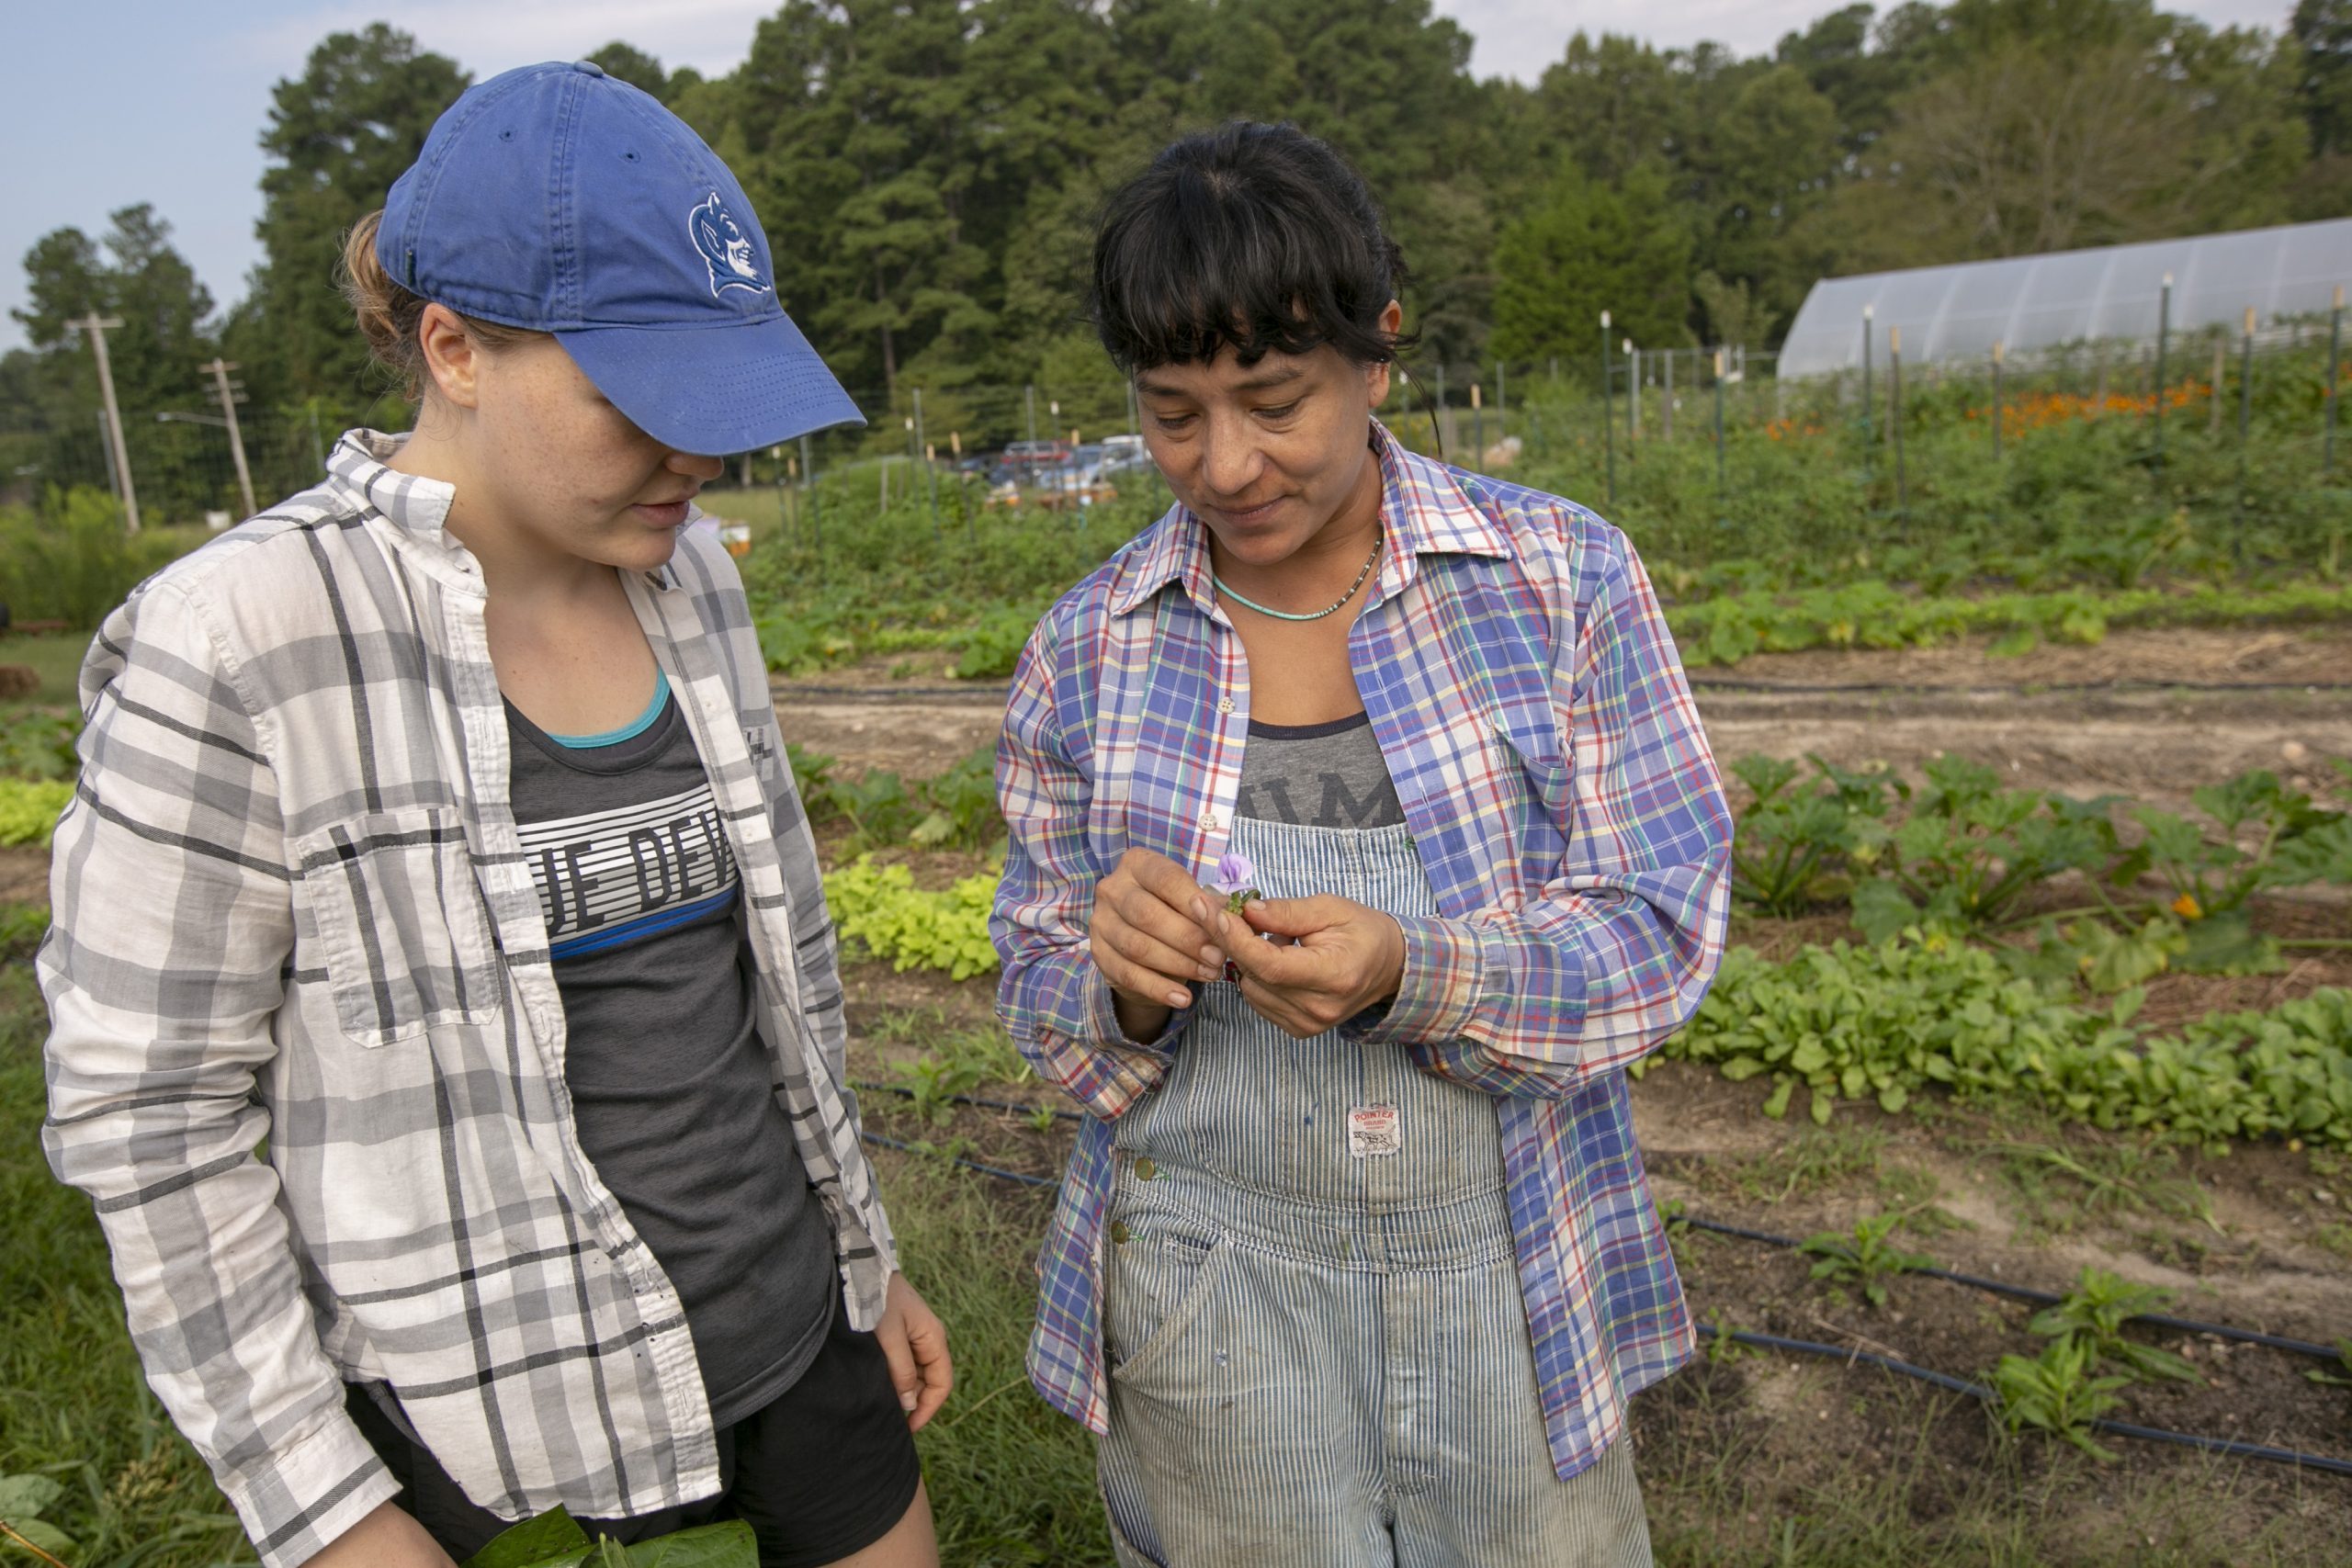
<point x="922" y="454"/>
<point x="2245" y="415"/>
<point x="1868" y="409"/>
<point x="1666" y="406"/>
<point x="1895" y="430"/>
<point x="1608" y="410"/>
<point x="2335" y="348"/>
<point x="1998" y="403"/>
<point x="808" y="477"/>
<point x="1723" y="502"/>
<point x="1634" y="386"/>
<point x="1477" y="430"/>
<point x="2164" y="342"/>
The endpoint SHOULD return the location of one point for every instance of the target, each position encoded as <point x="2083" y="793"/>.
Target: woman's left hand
<point x="914" y="1342"/>
<point x="1341" y="958"/>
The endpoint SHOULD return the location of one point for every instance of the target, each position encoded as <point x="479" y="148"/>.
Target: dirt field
<point x="2112" y="718"/>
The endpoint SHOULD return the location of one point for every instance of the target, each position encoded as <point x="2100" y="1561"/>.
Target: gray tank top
<point x="1318" y="775"/>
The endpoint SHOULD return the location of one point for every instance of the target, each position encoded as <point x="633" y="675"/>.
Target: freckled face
<point x="1266" y="455"/>
<point x="565" y="467"/>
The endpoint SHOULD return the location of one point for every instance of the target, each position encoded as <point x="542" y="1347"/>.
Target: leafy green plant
<point x="879" y="809"/>
<point x="1788" y="839"/>
<point x="29" y="809"/>
<point x="2094" y="1313"/>
<point x="23" y="1500"/>
<point x="554" y="1539"/>
<point x="2059" y="1392"/>
<point x="961" y="1062"/>
<point x="812" y="777"/>
<point x="910" y="927"/>
<point x="37" y="743"/>
<point x="1889" y="1020"/>
<point x="1864" y="1257"/>
<point x="1970" y="851"/>
<point x="962" y="801"/>
<point x="991" y="647"/>
<point x="2297" y="842"/>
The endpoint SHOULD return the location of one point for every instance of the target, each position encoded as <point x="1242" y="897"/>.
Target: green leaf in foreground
<point x="552" y="1540"/>
<point x="23" y="1500"/>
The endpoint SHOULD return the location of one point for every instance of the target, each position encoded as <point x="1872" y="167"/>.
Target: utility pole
<point x="97" y="326"/>
<point x="219" y="370"/>
<point x="1029" y="396"/>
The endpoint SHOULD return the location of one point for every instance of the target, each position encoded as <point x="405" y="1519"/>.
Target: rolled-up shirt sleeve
<point x="1051" y="996"/>
<point x="172" y="919"/>
<point x="1616" y="950"/>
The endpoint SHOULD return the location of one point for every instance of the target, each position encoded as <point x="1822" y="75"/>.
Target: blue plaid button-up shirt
<point x="1534" y="716"/>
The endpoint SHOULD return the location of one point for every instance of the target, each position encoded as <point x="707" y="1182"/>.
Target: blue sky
<point x="186" y="86"/>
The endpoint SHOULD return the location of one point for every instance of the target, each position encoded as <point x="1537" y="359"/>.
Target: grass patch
<point x="54" y="657"/>
<point x="73" y="1404"/>
<point x="1012" y="1480"/>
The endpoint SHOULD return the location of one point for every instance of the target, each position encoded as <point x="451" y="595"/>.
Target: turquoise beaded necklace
<point x="1370" y="561"/>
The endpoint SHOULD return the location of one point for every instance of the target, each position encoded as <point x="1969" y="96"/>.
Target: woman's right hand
<point x="388" y="1538"/>
<point x="1150" y="939"/>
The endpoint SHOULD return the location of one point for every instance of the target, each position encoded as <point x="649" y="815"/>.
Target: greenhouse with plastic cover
<point x="2029" y="306"/>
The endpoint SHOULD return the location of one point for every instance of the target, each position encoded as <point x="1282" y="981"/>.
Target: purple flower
<point x="1232" y="877"/>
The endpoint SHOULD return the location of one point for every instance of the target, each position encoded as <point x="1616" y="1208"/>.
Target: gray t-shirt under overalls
<point x="1318" y="1342"/>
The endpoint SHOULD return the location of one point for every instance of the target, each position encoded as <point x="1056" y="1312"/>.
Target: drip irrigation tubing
<point x="1846" y="1354"/>
<point x="2230" y="1446"/>
<point x="1999" y="1287"/>
<point x="2044" y="1298"/>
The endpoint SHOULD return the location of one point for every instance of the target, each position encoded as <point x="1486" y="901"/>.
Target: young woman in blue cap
<point x="1354" y="1265"/>
<point x="445" y="1011"/>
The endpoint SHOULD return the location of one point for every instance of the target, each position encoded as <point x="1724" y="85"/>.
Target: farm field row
<point x="1744" y="1455"/>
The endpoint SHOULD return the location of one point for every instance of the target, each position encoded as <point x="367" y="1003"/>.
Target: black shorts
<point x="824" y="1470"/>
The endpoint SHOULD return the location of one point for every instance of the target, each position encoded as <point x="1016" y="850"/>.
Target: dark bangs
<point x="1255" y="236"/>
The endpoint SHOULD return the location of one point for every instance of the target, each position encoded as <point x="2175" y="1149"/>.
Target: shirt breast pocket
<point x="401" y="923"/>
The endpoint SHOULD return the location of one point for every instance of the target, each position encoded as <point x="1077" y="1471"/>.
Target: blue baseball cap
<point x="559" y="199"/>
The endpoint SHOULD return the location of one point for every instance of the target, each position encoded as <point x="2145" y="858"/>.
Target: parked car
<point x="1030" y="461"/>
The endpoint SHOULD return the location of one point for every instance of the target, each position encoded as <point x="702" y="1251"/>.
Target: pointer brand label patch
<point x="1373" y="1131"/>
<point x="727" y="250"/>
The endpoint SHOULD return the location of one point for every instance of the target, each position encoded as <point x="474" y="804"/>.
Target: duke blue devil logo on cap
<point x="726" y="249"/>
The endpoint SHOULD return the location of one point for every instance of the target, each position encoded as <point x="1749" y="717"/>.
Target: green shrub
<point x="70" y="560"/>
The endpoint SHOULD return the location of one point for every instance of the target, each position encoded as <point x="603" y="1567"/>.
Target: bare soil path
<point x="2149" y="713"/>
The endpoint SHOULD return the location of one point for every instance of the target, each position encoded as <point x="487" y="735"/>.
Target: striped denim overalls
<point x="1320" y="1352"/>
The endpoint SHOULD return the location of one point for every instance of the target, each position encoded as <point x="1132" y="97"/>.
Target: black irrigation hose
<point x="1977" y="1391"/>
<point x="1834" y="1352"/>
<point x="1021" y="1177"/>
<point x="2021" y="1292"/>
<point x="901" y="1089"/>
<point x="2046" y="1298"/>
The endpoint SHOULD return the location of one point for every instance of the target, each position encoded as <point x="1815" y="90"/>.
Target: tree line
<point x="927" y="171"/>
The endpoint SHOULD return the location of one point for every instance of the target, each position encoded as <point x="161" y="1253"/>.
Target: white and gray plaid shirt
<point x="292" y="911"/>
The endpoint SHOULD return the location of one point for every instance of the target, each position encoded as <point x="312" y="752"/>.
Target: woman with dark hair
<point x="1354" y="1262"/>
